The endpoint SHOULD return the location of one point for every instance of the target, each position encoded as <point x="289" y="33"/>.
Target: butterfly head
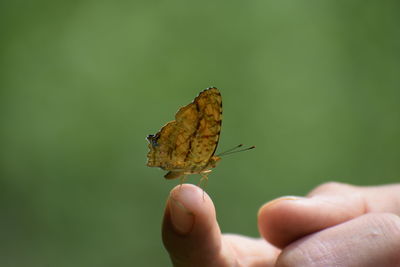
<point x="153" y="139"/>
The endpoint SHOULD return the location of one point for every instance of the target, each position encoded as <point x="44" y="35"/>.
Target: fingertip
<point x="277" y="220"/>
<point x="187" y="202"/>
<point x="272" y="204"/>
<point x="193" y="197"/>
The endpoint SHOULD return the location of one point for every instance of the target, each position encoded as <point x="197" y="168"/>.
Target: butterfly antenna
<point x="233" y="150"/>
<point x="229" y="150"/>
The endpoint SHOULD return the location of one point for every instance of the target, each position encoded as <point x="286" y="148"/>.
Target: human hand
<point x="336" y="225"/>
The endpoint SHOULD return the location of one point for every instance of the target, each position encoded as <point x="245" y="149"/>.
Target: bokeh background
<point x="313" y="84"/>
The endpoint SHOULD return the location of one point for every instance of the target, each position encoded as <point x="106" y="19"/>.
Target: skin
<point x="334" y="225"/>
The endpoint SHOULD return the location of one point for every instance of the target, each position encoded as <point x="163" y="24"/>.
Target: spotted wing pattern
<point x="187" y="144"/>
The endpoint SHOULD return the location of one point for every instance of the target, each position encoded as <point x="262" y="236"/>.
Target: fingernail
<point x="181" y="218"/>
<point x="272" y="202"/>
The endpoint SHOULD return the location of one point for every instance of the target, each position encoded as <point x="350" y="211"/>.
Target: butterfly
<point x="187" y="144"/>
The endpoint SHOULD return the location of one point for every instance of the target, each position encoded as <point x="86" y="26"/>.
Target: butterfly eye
<point x="152" y="139"/>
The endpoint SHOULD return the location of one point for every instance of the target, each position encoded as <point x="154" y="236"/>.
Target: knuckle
<point x="330" y="186"/>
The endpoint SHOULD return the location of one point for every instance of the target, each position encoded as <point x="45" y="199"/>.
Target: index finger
<point x="285" y="220"/>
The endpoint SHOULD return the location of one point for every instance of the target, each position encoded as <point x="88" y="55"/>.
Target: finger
<point x="190" y="231"/>
<point x="284" y="220"/>
<point x="254" y="252"/>
<point x="369" y="240"/>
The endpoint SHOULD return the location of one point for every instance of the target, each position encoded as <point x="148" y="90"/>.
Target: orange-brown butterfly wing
<point x="188" y="143"/>
<point x="170" y="146"/>
<point x="205" y="139"/>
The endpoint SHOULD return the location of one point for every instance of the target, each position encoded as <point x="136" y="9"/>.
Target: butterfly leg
<point x="182" y="180"/>
<point x="204" y="181"/>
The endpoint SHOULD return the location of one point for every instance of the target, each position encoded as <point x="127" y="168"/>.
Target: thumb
<point x="190" y="231"/>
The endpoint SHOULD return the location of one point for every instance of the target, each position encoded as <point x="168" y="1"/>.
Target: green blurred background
<point x="313" y="84"/>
